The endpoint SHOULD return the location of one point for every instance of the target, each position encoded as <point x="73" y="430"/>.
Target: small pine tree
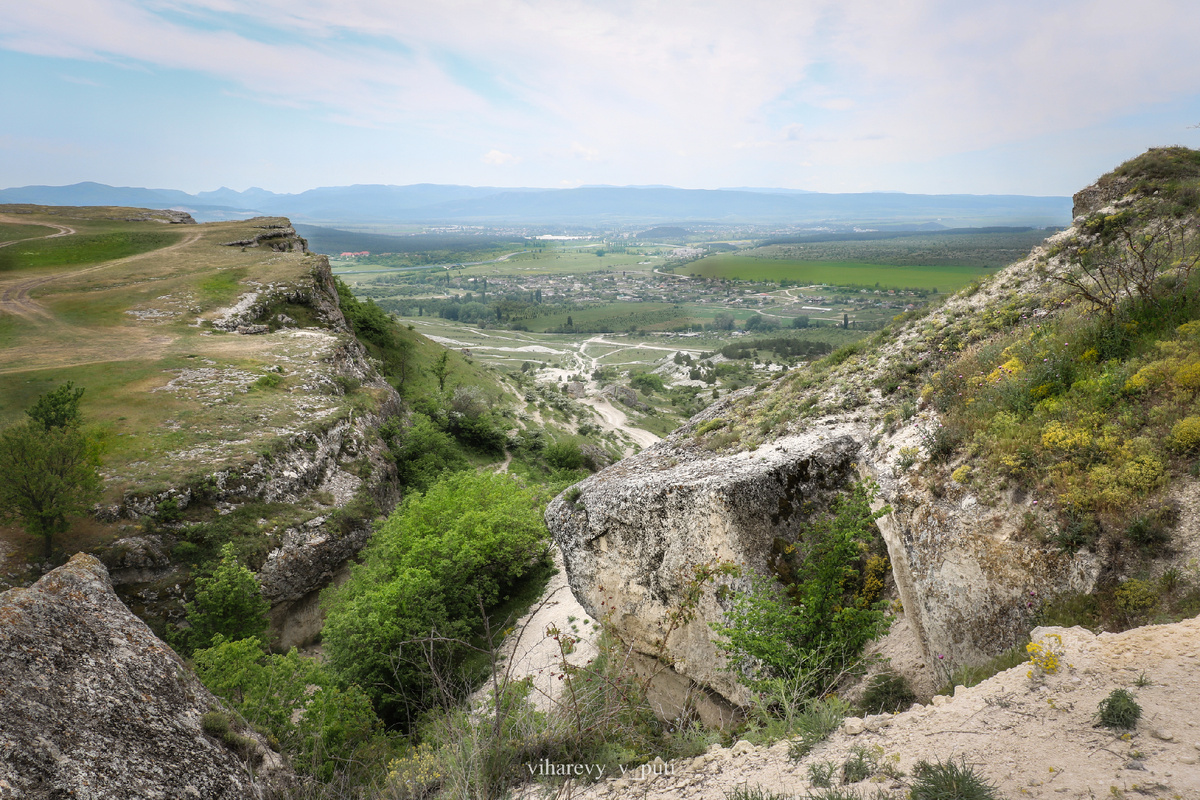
<point x="227" y="602"/>
<point x="58" y="408"/>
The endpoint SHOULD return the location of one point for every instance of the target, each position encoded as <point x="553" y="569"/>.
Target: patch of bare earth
<point x="1032" y="736"/>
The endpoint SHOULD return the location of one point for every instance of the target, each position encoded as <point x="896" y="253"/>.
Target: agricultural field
<point x="602" y="310"/>
<point x="835" y="273"/>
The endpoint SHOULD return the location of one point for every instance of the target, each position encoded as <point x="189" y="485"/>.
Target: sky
<point x="1034" y="97"/>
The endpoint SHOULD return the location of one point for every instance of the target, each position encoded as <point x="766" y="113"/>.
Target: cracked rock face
<point x="632" y="538"/>
<point x="94" y="705"/>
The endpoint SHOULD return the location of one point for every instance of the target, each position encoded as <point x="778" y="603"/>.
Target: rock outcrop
<point x="632" y="538"/>
<point x="325" y="455"/>
<point x="1030" y="736"/>
<point x="94" y="705"/>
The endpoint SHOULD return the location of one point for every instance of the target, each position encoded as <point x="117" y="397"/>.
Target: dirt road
<point x="15" y="292"/>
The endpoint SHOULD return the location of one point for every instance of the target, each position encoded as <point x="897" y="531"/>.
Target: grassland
<point x="124" y="309"/>
<point x="91" y="244"/>
<point x="947" y="278"/>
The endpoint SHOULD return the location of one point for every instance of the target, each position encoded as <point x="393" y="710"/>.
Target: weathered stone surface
<point x="1103" y="192"/>
<point x="636" y="532"/>
<point x="94" y="705"/>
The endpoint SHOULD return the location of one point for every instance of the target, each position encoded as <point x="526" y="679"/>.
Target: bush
<point x="815" y="631"/>
<point x="887" y="693"/>
<point x="228" y="603"/>
<point x="324" y="727"/>
<point x="858" y="766"/>
<point x="647" y="383"/>
<point x="466" y="542"/>
<point x="815" y="722"/>
<point x="1185" y="435"/>
<point x="1136" y="597"/>
<point x="950" y="781"/>
<point x="564" y="454"/>
<point x="1152" y="530"/>
<point x="424" y="452"/>
<point x="1119" y="710"/>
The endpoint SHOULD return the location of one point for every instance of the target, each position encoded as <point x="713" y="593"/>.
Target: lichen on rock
<point x="94" y="705"/>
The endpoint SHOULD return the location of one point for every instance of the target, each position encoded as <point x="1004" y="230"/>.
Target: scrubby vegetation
<point x="1095" y="405"/>
<point x="440" y="564"/>
<point x="813" y="632"/>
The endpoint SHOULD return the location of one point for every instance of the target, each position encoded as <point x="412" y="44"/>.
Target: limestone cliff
<point x="317" y="444"/>
<point x="93" y="705"/>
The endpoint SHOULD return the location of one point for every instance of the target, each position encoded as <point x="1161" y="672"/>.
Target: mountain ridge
<point x="430" y="203"/>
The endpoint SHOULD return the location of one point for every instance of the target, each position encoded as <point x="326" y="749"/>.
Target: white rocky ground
<point x="1032" y="737"/>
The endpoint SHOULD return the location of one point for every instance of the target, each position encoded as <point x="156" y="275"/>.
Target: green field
<point x="84" y="248"/>
<point x="13" y="232"/>
<point x="835" y="273"/>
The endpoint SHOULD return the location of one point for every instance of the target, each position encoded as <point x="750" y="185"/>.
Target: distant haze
<point x="593" y="206"/>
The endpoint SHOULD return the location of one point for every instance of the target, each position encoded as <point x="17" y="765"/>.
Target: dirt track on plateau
<point x="15" y="293"/>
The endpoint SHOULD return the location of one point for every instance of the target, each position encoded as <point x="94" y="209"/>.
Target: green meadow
<point x="83" y="248"/>
<point x="13" y="233"/>
<point x="835" y="273"/>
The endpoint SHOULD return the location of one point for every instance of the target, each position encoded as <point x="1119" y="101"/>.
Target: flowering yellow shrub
<point x="1011" y="367"/>
<point x="1150" y="376"/>
<point x="1185" y="435"/>
<point x="962" y="474"/>
<point x="1057" y="436"/>
<point x="1142" y="474"/>
<point x="1187" y="377"/>
<point x="415" y="774"/>
<point x="1046" y="656"/>
<point x="1135" y="597"/>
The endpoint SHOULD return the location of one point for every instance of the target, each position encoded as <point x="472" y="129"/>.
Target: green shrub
<point x="1119" y="710"/>
<point x="814" y="723"/>
<point x="215" y="723"/>
<point x="564" y="454"/>
<point x="887" y="693"/>
<point x="1077" y="530"/>
<point x="949" y="780"/>
<point x="817" y="630"/>
<point x="294" y="700"/>
<point x="1151" y="531"/>
<point x="227" y="602"/>
<point x="858" y="766"/>
<point x="820" y="774"/>
<point x="272" y="380"/>
<point x="466" y="543"/>
<point x="424" y="452"/>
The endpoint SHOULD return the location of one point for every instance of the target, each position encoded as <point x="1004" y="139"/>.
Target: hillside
<point x="1026" y="448"/>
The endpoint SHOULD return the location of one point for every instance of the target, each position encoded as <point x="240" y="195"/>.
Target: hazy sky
<point x="1012" y="96"/>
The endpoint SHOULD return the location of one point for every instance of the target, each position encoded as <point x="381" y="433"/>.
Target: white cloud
<point x="701" y="94"/>
<point x="498" y="158"/>
<point x="584" y="152"/>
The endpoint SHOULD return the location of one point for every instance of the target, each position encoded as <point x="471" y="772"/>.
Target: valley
<point x="825" y="502"/>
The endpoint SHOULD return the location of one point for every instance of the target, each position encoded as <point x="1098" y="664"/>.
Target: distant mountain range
<point x="600" y="206"/>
